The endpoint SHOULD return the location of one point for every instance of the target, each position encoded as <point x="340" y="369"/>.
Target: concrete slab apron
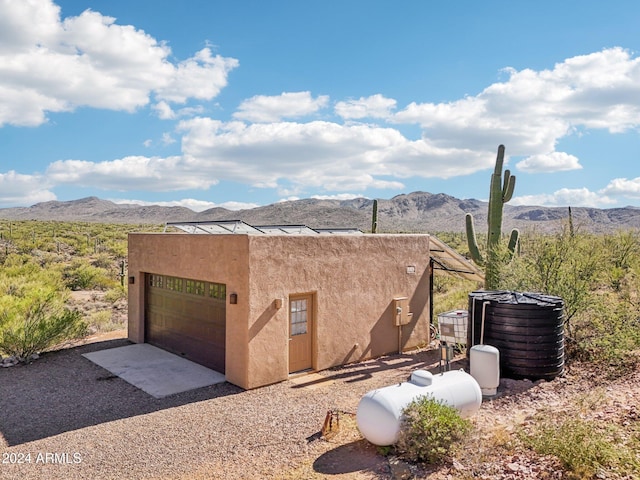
<point x="153" y="370"/>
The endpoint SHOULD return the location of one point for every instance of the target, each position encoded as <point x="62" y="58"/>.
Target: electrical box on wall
<point x="401" y="314"/>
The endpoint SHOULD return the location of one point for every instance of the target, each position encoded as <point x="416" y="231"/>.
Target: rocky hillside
<point x="413" y="212"/>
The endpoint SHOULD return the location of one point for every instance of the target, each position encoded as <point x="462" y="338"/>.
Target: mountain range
<point x="412" y="212"/>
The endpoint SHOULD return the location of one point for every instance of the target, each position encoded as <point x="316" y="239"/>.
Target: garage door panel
<point x="188" y="324"/>
<point x="196" y="350"/>
<point x="216" y="315"/>
<point x="173" y="304"/>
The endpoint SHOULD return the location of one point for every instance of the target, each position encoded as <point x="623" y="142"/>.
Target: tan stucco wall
<point x="212" y="258"/>
<point x="353" y="278"/>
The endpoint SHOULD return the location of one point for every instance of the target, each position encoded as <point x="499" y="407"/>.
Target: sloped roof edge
<point x="446" y="258"/>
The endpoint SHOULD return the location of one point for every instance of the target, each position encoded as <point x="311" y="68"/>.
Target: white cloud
<point x="231" y="205"/>
<point x="49" y="64"/>
<point x="167" y="139"/>
<point x="164" y="111"/>
<point x="575" y="197"/>
<point x="375" y="106"/>
<point x="288" y="199"/>
<point x="338" y="196"/>
<point x="318" y="154"/>
<point x="189" y="111"/>
<point x="190" y="203"/>
<point x="531" y="110"/>
<point x="549" y="163"/>
<point x="625" y="187"/>
<point x="18" y="190"/>
<point x="23" y="24"/>
<point x="130" y="173"/>
<point x="262" y="108"/>
<point x="201" y="76"/>
<point x="529" y="113"/>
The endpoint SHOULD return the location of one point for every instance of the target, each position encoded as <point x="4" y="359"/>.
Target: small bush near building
<point x="429" y="429"/>
<point x="38" y="325"/>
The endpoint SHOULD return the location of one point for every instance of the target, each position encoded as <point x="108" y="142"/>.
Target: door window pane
<point x="298" y="317"/>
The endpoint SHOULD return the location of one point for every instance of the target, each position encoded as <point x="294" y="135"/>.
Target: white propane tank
<point x="380" y="411"/>
<point x="484" y="362"/>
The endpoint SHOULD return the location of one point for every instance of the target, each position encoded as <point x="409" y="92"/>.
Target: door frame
<point x="312" y="328"/>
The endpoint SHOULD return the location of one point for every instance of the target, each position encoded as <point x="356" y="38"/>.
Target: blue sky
<point x="238" y="104"/>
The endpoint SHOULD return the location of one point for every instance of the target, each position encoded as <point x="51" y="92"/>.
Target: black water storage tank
<point x="527" y="329"/>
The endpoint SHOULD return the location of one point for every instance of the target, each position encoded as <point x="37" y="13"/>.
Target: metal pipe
<point x="484" y="309"/>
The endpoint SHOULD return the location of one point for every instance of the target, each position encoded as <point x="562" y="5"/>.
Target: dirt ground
<point x="490" y="453"/>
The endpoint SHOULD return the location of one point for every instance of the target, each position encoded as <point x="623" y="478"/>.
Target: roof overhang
<point x="446" y="258"/>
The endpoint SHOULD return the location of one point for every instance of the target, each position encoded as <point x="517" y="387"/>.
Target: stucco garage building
<point x="261" y="303"/>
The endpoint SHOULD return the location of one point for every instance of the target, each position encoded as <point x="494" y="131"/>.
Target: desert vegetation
<point x="43" y="265"/>
<point x="598" y="276"/>
<point x="429" y="429"/>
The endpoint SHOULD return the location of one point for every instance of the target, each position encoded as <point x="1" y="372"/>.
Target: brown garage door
<point x="187" y="317"/>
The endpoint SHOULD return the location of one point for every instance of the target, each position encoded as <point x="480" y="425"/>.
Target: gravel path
<point x="64" y="417"/>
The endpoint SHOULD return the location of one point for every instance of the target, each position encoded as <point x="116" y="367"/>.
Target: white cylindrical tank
<point x="380" y="411"/>
<point x="484" y="363"/>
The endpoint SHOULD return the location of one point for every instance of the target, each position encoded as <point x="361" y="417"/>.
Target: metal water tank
<point x="527" y="328"/>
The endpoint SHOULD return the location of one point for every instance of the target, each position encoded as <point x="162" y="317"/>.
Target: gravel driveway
<point x="63" y="417"/>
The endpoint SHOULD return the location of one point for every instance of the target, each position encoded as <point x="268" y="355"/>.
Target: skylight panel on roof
<point x="240" y="227"/>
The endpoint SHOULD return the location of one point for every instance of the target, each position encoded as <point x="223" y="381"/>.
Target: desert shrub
<point x="102" y="260"/>
<point x="114" y="294"/>
<point x="83" y="276"/>
<point x="569" y="266"/>
<point x="451" y="293"/>
<point x="585" y="448"/>
<point x="428" y="430"/>
<point x="36" y="323"/>
<point x="14" y="262"/>
<point x="117" y="247"/>
<point x="609" y="335"/>
<point x="20" y="274"/>
<point x="102" y="321"/>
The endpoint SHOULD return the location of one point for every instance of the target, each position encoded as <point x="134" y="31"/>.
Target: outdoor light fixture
<point x="233" y="298"/>
<point x="132" y="280"/>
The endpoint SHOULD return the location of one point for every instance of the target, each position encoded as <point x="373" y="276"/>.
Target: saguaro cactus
<point x="500" y="193"/>
<point x="374" y="217"/>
